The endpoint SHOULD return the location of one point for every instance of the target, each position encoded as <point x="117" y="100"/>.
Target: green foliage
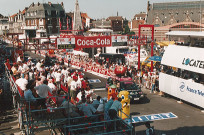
<point x="127" y="29"/>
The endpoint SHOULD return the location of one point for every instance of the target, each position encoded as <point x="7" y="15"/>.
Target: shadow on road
<point x="195" y="130"/>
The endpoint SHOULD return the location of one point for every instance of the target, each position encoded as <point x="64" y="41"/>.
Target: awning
<point x="100" y="30"/>
<point x="80" y="53"/>
<point x="188" y="58"/>
<point x="165" y="43"/>
<point x="186" y="33"/>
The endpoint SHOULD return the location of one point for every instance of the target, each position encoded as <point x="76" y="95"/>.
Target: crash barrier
<point x="51" y="117"/>
<point x="94" y="68"/>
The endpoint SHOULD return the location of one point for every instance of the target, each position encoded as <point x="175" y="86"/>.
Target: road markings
<point x="99" y="89"/>
<point x="152" y="117"/>
<point x="94" y="80"/>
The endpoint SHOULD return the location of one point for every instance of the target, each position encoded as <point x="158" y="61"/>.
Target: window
<point x="28" y="14"/>
<point x="49" y="21"/>
<point x="31" y="14"/>
<point x="62" y="13"/>
<point x="46" y="13"/>
<point x="53" y="13"/>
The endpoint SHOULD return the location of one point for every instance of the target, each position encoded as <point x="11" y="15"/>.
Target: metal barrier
<point x="52" y="118"/>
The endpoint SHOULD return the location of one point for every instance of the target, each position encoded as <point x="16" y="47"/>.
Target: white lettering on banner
<point x="93" y="41"/>
<point x="152" y="117"/>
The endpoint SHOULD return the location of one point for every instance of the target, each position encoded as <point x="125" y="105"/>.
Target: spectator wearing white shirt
<point x="42" y="68"/>
<point x="31" y="74"/>
<point x="78" y="83"/>
<point x="51" y="85"/>
<point x="58" y="78"/>
<point x="22" y="82"/>
<point x="38" y="65"/>
<point x="20" y="67"/>
<point x="65" y="74"/>
<point x="69" y="80"/>
<point x="29" y="62"/>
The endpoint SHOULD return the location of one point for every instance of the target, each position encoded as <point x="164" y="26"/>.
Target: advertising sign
<point x="65" y="43"/>
<point x="95" y="41"/>
<point x="119" y="38"/>
<point x="187" y="90"/>
<point x="152" y="117"/>
<point x="184" y="57"/>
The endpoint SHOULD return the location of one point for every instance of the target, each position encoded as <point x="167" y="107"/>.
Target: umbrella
<point x="155" y="58"/>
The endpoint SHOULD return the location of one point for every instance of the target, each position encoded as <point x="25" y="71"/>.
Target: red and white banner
<point x="119" y="38"/>
<point x="89" y="42"/>
<point x="65" y="41"/>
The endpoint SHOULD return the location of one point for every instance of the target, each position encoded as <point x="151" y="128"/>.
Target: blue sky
<point x="95" y="8"/>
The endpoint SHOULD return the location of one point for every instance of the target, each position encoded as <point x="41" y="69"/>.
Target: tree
<point x="127" y="29"/>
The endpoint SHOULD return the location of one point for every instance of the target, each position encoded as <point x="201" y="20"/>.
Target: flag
<point x="67" y="24"/>
<point x="60" y="24"/>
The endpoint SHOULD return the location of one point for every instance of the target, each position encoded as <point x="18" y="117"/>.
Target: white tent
<point x="80" y="53"/>
<point x="100" y="30"/>
<point x="186" y="33"/>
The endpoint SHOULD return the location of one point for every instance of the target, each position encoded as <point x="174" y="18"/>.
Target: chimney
<point x="50" y="3"/>
<point x="33" y="4"/>
<point x="38" y="3"/>
<point x="62" y="4"/>
<point x="117" y="13"/>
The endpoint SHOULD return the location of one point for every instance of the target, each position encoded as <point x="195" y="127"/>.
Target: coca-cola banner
<point x="95" y="41"/>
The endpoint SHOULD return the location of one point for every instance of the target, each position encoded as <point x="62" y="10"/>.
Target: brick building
<point x="174" y="16"/>
<point x="118" y="23"/>
<point x="137" y="20"/>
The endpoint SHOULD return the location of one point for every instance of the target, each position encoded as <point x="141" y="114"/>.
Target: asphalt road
<point x="190" y="119"/>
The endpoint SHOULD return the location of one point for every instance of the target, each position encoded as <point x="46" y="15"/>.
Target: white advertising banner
<point x="117" y="38"/>
<point x="184" y="89"/>
<point x="65" y="41"/>
<point x="188" y="58"/>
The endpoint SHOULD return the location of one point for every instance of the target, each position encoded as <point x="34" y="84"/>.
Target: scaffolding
<point x="34" y="120"/>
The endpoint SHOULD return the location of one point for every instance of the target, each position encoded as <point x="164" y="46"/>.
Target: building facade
<point x="17" y="21"/>
<point x="137" y="20"/>
<point x="4" y="26"/>
<point x="47" y="17"/>
<point x="173" y="16"/>
<point x="162" y="14"/>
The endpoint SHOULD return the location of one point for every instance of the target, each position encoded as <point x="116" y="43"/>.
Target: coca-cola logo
<point x="89" y="42"/>
<point x="98" y="42"/>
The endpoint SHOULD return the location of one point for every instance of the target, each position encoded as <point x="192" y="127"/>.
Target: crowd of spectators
<point x="39" y="83"/>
